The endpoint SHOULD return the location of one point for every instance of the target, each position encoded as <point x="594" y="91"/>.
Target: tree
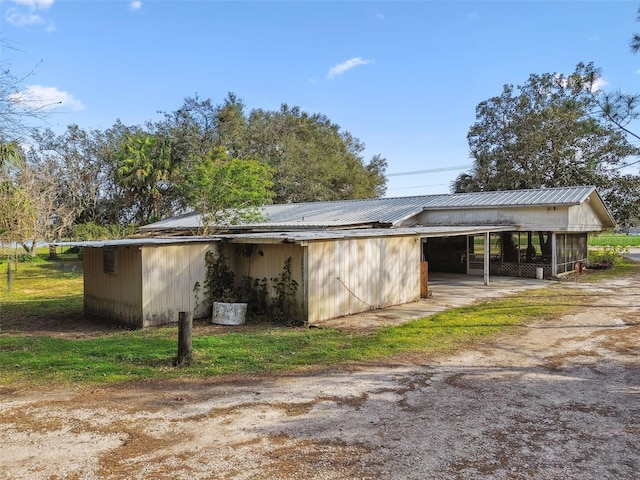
<point x="313" y="159"/>
<point x="11" y="155"/>
<point x="16" y="208"/>
<point x="542" y="134"/>
<point x="617" y="108"/>
<point x="16" y="114"/>
<point x="17" y="214"/>
<point x="622" y="194"/>
<point x="145" y="170"/>
<point x="226" y="190"/>
<point x="634" y="43"/>
<point x="68" y="177"/>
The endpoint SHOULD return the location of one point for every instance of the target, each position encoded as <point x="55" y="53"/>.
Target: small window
<point x="109" y="263"/>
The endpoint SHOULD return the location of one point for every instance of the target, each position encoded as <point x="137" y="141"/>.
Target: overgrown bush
<point x="606" y="257"/>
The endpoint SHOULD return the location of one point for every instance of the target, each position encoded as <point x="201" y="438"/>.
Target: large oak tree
<point x="543" y="134"/>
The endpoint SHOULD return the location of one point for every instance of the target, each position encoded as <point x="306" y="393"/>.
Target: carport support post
<point x="487" y="251"/>
<point x="554" y="255"/>
<point x="185" y="320"/>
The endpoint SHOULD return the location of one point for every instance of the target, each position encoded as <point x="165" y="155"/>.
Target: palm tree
<point x="10" y="156"/>
<point x="144" y="168"/>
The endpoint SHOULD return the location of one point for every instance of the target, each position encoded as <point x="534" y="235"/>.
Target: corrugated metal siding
<point x="527" y="218"/>
<point x="117" y="297"/>
<point x="169" y="275"/>
<point x="351" y="276"/>
<point x="583" y="219"/>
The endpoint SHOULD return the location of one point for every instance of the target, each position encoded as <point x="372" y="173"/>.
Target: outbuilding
<point x="347" y="256"/>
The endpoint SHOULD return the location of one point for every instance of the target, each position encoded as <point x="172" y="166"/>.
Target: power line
<point x="431" y="170"/>
<point x="419" y="186"/>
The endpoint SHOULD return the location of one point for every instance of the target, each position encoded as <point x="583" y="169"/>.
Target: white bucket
<point x="229" y="313"/>
<point x="539" y="273"/>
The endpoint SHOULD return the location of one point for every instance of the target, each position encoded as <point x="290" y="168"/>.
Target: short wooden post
<point x="185" y="322"/>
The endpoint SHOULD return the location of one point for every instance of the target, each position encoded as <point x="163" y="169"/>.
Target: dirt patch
<point x="559" y="398"/>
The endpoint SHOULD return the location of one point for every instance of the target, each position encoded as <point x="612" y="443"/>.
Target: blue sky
<point x="403" y="77"/>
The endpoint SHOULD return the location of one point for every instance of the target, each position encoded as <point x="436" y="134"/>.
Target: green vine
<point x="220" y="286"/>
<point x="284" y="303"/>
<point x="219" y="280"/>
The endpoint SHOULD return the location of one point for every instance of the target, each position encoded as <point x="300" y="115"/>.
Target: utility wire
<point x="430" y="170"/>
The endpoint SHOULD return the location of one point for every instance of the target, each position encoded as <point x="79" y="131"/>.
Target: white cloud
<point x="344" y="66"/>
<point x="39" y="97"/>
<point x="35" y="4"/>
<point x="379" y="16"/>
<point x="23" y="19"/>
<point x="27" y="14"/>
<point x="598" y="84"/>
<point x="135" y="5"/>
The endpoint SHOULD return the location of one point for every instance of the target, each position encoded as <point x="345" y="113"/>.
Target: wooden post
<point x="487" y="257"/>
<point x="424" y="280"/>
<point x="185" y="320"/>
<point x="9" y="276"/>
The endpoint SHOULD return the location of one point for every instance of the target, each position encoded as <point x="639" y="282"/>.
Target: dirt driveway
<point x="556" y="400"/>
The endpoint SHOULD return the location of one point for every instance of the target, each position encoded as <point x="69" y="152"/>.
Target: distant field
<point x="614" y="240"/>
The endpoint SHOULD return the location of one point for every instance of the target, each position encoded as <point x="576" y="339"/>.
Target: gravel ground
<point x="555" y="399"/>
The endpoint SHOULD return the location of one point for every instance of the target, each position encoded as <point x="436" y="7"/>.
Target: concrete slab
<point x="633" y="254"/>
<point x="447" y="291"/>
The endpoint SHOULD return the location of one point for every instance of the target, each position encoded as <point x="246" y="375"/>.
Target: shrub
<point x="606" y="257"/>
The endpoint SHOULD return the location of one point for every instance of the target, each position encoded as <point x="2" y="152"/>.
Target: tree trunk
<point x="30" y="249"/>
<point x="53" y="254"/>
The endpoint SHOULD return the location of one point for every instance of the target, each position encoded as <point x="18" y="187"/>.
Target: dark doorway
<point x="446" y="254"/>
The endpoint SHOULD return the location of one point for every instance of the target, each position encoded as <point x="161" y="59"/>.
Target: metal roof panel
<point x="389" y="211"/>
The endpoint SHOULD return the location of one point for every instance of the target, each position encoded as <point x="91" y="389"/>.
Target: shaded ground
<point x="556" y="399"/>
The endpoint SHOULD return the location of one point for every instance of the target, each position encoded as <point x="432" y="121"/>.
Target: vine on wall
<point x="220" y="286"/>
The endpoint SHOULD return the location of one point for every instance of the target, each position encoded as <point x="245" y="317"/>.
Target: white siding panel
<point x="527" y="218"/>
<point x="582" y="218"/>
<point x="117" y="297"/>
<point x="169" y="275"/>
<point x="362" y="274"/>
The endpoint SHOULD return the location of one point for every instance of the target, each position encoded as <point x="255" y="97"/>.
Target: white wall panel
<point x="356" y="275"/>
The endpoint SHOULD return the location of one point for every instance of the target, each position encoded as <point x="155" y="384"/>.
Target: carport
<point x="460" y="250"/>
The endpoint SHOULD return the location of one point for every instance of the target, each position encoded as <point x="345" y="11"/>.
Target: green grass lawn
<point x="614" y="240"/>
<point x="46" y="340"/>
